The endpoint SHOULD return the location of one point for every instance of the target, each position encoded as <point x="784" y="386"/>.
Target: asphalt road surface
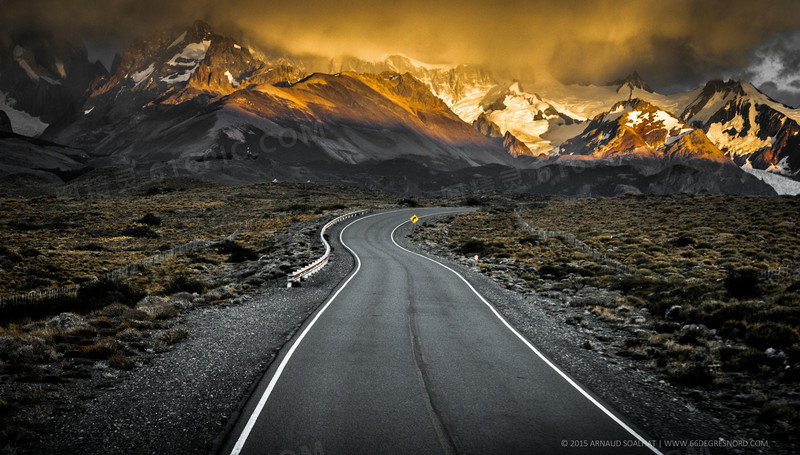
<point x="406" y="357"/>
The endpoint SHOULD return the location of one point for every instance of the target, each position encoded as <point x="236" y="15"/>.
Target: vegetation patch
<point x="710" y="295"/>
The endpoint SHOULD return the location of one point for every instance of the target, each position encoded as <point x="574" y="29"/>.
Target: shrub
<point x="150" y="220"/>
<point x="237" y="253"/>
<point x="91" y="296"/>
<point x="141" y="231"/>
<point x="130" y="335"/>
<point x="741" y="360"/>
<point x="33" y="350"/>
<point x="408" y="202"/>
<point x="474" y="246"/>
<point x="120" y="312"/>
<point x="121" y="362"/>
<point x="552" y="270"/>
<point x="98" y="351"/>
<point x="715" y="313"/>
<point x="683" y="240"/>
<point x="29" y="252"/>
<point x="742" y="283"/>
<point x="158" y="310"/>
<point x="777" y="410"/>
<point x="182" y="283"/>
<point x="91" y="246"/>
<point x="334" y="207"/>
<point x="688" y="373"/>
<point x="172" y="336"/>
<point x="471" y="201"/>
<point x="104" y="292"/>
<point x="771" y="335"/>
<point x="101" y="322"/>
<point x="8" y="255"/>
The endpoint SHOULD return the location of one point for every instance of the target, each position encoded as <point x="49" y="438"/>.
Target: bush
<point x="98" y="351"/>
<point x="771" y="335"/>
<point x="552" y="270"/>
<point x="474" y="246"/>
<point x="121" y="362"/>
<point x="741" y="360"/>
<point x="471" y="201"/>
<point x="172" y="336"/>
<point x="91" y="296"/>
<point x="408" y="202"/>
<point x="105" y="292"/>
<point x="8" y="255"/>
<point x="742" y="283"/>
<point x="238" y="253"/>
<point x="150" y="220"/>
<point x="91" y="246"/>
<point x="683" y="240"/>
<point x="29" y="252"/>
<point x="182" y="283"/>
<point x="688" y="374"/>
<point x="140" y="231"/>
<point x="715" y="313"/>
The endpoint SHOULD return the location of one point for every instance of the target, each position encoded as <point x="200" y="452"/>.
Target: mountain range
<point x="195" y="101"/>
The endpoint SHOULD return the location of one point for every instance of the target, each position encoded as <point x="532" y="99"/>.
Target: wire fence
<point x="570" y="239"/>
<point x="783" y="273"/>
<point x="123" y="272"/>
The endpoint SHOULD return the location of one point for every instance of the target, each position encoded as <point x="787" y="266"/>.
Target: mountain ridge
<point x="202" y="101"/>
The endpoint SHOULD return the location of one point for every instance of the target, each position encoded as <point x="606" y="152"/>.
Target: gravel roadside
<point x="182" y="401"/>
<point x="661" y="411"/>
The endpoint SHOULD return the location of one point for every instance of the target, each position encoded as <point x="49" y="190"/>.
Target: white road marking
<point x="271" y="386"/>
<point x="530" y="346"/>
<point x="237" y="449"/>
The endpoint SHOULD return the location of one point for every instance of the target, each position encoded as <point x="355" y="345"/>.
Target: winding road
<point x="407" y="357"/>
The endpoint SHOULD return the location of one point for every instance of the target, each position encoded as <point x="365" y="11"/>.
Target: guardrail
<point x="317" y="265"/>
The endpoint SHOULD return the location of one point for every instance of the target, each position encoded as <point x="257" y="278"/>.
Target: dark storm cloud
<point x="775" y="67"/>
<point x="671" y="43"/>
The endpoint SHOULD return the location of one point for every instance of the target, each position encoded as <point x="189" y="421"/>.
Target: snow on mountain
<point x="747" y="125"/>
<point x="524" y="115"/>
<point x="21" y="122"/>
<point x="450" y="83"/>
<point x="44" y="77"/>
<point x="138" y="77"/>
<point x="586" y="101"/>
<point x="635" y="129"/>
<point x="782" y="185"/>
<point x="550" y="112"/>
<point x="186" y="62"/>
<point x="194" y="95"/>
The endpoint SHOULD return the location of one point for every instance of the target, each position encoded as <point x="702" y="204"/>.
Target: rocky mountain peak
<point x="200" y="29"/>
<point x="630" y="82"/>
<point x="723" y="87"/>
<point x="636" y="129"/>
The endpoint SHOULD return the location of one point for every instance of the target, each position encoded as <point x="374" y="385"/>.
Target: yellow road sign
<point x="414" y="219"/>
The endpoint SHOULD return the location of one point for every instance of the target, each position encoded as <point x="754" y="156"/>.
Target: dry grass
<point x="50" y="242"/>
<point x="697" y="307"/>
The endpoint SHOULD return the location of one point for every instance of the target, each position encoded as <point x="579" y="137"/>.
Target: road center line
<point x="237" y="449"/>
<point x="529" y="345"/>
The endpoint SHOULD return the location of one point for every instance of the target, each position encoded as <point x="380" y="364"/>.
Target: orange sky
<point x="670" y="42"/>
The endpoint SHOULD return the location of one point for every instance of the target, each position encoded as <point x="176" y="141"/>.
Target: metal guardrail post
<point x="318" y="264"/>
